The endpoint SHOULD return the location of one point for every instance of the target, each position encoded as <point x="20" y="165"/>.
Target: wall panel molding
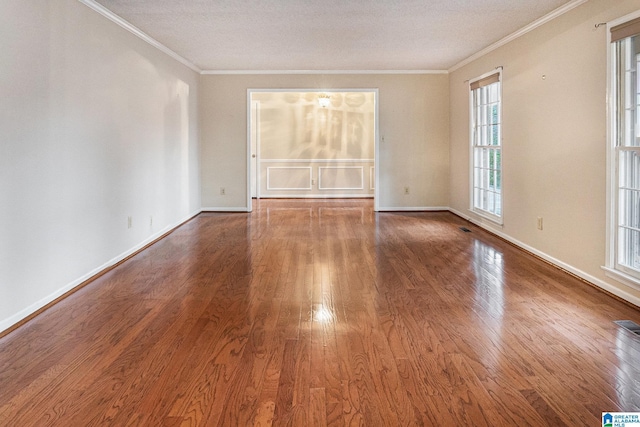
<point x="341" y="184"/>
<point x="290" y="178"/>
<point x="316" y="160"/>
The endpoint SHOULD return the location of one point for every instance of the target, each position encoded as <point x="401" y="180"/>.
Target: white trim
<point x="24" y="313"/>
<point x="258" y="176"/>
<point x="138" y="33"/>
<point x="376" y="149"/>
<point x="612" y="268"/>
<point x="620" y="276"/>
<point x="320" y="72"/>
<point x="372" y="175"/>
<point x="258" y="154"/>
<point x="376" y="130"/>
<point x="241" y="209"/>
<point x="521" y="32"/>
<point x="589" y="278"/>
<point x="621" y="20"/>
<point x="249" y="206"/>
<point x="498" y="220"/>
<point x="412" y="208"/>
<point x="317" y="161"/>
<point x="495" y="220"/>
<point x="317" y="196"/>
<point x="320" y="187"/>
<point x="311" y="90"/>
<point x="269" y="187"/>
<point x="611" y="162"/>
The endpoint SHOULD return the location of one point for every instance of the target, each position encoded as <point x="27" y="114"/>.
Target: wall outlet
<point x="129" y="221"/>
<point x="223" y="191"/>
<point x="313" y="182"/>
<point x="539" y="223"/>
<point x="406" y="190"/>
<point x="151" y="221"/>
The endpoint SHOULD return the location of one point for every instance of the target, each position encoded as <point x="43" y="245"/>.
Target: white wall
<point x="95" y="126"/>
<point x="413" y="120"/>
<point x="554" y="139"/>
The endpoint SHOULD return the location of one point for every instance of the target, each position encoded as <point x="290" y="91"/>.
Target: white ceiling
<point x="262" y="35"/>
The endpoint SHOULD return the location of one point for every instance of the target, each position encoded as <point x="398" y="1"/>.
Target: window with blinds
<point x="625" y="149"/>
<point x="486" y="146"/>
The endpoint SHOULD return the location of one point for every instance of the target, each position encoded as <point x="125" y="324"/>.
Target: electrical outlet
<point x="539" y="223"/>
<point x="313" y="182"/>
<point x="129" y="221"/>
<point x="151" y="221"/>
<point x="223" y="191"/>
<point x="406" y="190"/>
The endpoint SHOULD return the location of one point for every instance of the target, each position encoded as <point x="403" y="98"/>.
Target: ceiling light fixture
<point x="324" y="100"/>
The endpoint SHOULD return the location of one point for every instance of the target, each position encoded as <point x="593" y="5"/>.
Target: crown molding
<point x="139" y="33"/>
<point x="316" y="72"/>
<point x="521" y="32"/>
<point x="92" y="4"/>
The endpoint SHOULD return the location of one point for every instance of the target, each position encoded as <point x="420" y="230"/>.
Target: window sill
<point x="496" y="221"/>
<point x="622" y="277"/>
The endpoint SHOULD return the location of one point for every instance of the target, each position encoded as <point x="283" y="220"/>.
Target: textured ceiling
<point x="264" y="35"/>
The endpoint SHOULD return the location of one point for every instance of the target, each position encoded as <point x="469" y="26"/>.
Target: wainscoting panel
<point x="316" y="178"/>
<point x="289" y="178"/>
<point x="341" y="178"/>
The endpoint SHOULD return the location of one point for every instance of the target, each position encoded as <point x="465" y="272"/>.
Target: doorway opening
<point x="310" y="143"/>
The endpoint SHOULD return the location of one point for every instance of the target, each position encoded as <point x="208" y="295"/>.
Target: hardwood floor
<point x="313" y="313"/>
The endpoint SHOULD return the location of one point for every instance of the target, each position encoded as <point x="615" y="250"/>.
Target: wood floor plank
<point x="324" y="313"/>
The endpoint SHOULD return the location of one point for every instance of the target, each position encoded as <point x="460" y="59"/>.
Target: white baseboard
<point x="226" y="209"/>
<point x="22" y="314"/>
<point x="412" y="208"/>
<point x="318" y="196"/>
<point x="558" y="263"/>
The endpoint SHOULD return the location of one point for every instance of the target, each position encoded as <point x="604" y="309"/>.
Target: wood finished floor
<point x="313" y="313"/>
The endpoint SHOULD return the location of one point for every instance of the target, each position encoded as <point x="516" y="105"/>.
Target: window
<point x="486" y="146"/>
<point x="624" y="151"/>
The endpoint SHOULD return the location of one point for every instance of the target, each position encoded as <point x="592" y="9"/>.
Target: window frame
<point x="613" y="268"/>
<point x="491" y="216"/>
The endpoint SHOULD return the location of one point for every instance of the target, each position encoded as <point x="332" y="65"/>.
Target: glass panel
<point x="486" y="154"/>
<point x="477" y="175"/>
<point x="628" y="132"/>
<point x="491" y="202"/>
<point x="629" y="248"/>
<point x="634" y="219"/>
<point x="623" y="213"/>
<point x="483" y="135"/>
<point x="627" y="140"/>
